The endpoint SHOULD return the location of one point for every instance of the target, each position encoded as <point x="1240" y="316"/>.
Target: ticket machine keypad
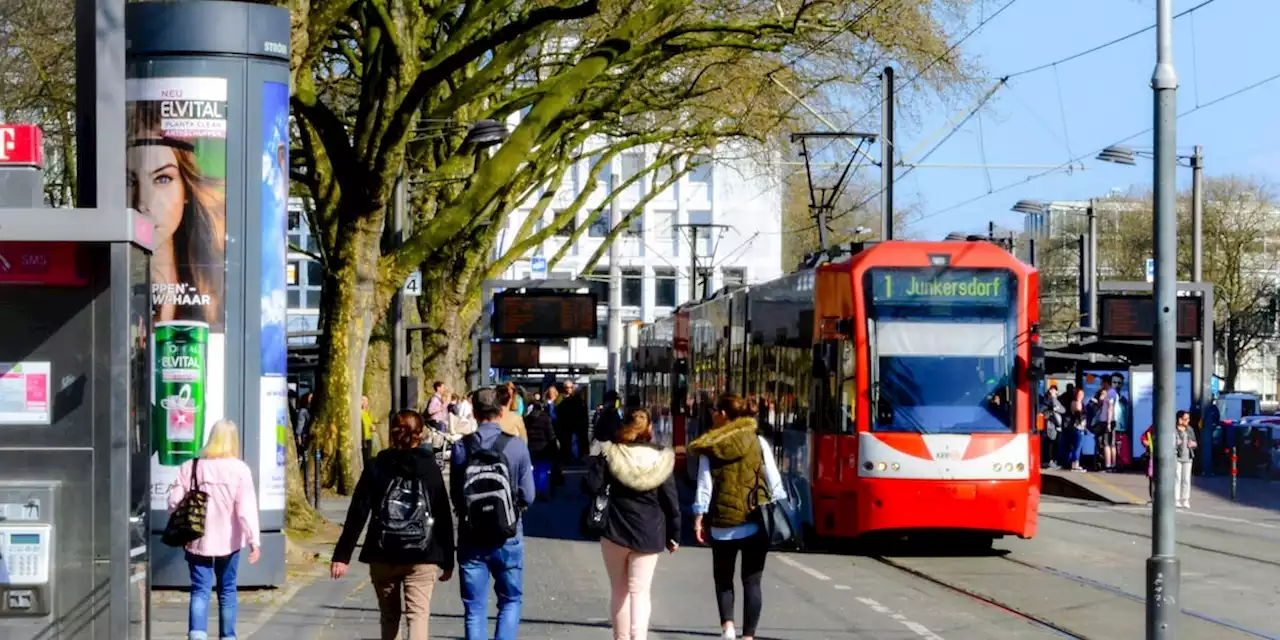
<point x="24" y="552"/>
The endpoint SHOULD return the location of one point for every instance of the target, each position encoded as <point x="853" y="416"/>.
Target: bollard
<point x="1233" y="473"/>
<point x="315" y="482"/>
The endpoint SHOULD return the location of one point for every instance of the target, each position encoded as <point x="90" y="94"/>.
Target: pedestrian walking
<point x="608" y="419"/>
<point x="543" y="448"/>
<point x="642" y="518"/>
<point x="1184" y="443"/>
<point x="735" y="465"/>
<point x="491" y="485"/>
<point x="230" y="524"/>
<point x="1054" y="418"/>
<point x="402" y="499"/>
<point x="1147" y="439"/>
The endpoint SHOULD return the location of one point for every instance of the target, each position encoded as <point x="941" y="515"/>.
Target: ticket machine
<point x="74" y="423"/>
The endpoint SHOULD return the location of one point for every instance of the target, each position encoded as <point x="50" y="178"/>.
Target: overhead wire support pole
<point x="822" y="199"/>
<point x="694" y="235"/>
<point x="1163" y="570"/>
<point x="614" y="336"/>
<point x="886" y="158"/>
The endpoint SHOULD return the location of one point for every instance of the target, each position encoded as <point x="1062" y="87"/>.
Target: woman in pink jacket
<point x="231" y="524"/>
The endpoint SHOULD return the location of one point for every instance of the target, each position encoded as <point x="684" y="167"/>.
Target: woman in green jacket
<point x="734" y="463"/>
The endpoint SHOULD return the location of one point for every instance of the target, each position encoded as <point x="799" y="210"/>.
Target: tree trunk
<point x="299" y="516"/>
<point x="446" y="347"/>
<point x="347" y="313"/>
<point x="377" y="381"/>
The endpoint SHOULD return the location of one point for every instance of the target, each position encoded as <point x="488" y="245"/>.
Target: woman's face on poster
<point x="155" y="187"/>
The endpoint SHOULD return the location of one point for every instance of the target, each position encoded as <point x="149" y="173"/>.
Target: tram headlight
<point x="996" y="467"/>
<point x="881" y="466"/>
<point x="1022" y="467"/>
<point x="868" y="465"/>
<point x="1008" y="466"/>
<point x="895" y="466"/>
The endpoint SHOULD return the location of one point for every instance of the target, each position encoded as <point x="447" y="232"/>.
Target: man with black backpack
<point x="491" y="484"/>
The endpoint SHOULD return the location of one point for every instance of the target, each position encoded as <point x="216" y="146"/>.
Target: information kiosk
<point x="75" y="423"/>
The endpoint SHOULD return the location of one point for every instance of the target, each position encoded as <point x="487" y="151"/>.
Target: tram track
<point x="1064" y="630"/>
<point x="1033" y="619"/>
<point x="1181" y="543"/>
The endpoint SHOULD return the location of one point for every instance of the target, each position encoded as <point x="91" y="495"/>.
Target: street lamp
<point x="1088" y="255"/>
<point x="1201" y="348"/>
<point x="481" y="135"/>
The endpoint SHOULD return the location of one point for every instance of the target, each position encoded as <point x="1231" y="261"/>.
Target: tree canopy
<point x="385" y="86"/>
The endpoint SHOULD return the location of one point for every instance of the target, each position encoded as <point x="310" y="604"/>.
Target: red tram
<point x="899" y="383"/>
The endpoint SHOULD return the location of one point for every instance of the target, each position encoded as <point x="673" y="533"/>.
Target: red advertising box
<point x="52" y="264"/>
<point x="21" y="145"/>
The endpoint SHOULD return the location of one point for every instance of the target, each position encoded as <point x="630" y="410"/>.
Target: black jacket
<point x="542" y="434"/>
<point x="644" y="511"/>
<point x="391" y="463"/>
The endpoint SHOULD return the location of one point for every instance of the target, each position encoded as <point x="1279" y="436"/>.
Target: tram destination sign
<point x="1132" y="317"/>
<point x="514" y="355"/>
<point x="544" y="314"/>
<point x="940" y="286"/>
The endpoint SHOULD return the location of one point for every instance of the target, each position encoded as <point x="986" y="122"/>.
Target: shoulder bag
<point x="186" y="523"/>
<point x="773" y="516"/>
<point x="595" y="514"/>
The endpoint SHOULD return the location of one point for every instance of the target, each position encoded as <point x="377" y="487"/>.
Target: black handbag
<point x="595" y="515"/>
<point x="186" y="523"/>
<point x="773" y="516"/>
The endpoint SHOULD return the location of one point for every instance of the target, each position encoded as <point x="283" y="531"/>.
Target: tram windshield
<point x="943" y="346"/>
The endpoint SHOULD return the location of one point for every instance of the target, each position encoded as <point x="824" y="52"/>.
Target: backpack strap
<point x="471" y="443"/>
<point x="195" y="483"/>
<point x="500" y="444"/>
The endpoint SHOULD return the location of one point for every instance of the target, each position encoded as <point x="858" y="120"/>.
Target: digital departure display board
<point x="1132" y="317"/>
<point x="544" y="314"/>
<point x="984" y="287"/>
<point x="514" y="355"/>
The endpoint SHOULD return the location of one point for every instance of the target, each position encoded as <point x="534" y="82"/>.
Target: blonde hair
<point x="223" y="442"/>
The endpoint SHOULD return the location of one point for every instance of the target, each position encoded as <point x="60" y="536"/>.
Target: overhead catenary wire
<point x="1100" y="47"/>
<point x="1079" y="158"/>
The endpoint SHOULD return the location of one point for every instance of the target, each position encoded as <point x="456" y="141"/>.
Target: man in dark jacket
<point x="392" y="569"/>
<point x="542" y="434"/>
<point x="572" y="421"/>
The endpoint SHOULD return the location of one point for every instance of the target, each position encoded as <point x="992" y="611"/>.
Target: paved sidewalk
<point x="1212" y="492"/>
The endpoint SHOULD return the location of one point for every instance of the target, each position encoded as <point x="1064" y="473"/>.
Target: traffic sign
<point x="1151" y="270"/>
<point x="413" y="285"/>
<point x="538" y="267"/>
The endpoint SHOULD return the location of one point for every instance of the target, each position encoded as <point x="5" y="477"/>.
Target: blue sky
<point x="1105" y="96"/>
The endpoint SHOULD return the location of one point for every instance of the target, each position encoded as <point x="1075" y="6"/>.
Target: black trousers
<point x="724" y="555"/>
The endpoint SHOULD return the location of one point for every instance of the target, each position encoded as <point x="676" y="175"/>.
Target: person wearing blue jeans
<point x="205" y="573"/>
<point x="503" y="561"/>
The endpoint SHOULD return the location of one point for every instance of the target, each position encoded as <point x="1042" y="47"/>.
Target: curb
<point x="1083" y="489"/>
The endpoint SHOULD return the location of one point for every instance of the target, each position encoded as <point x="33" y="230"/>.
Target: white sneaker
<point x="729" y="634"/>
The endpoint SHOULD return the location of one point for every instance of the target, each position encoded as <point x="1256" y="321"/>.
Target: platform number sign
<point x="413" y="285"/>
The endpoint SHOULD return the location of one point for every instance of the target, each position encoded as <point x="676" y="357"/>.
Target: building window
<point x="701" y="172"/>
<point x="604" y="179"/>
<point x="636" y="227"/>
<point x="664" y="288"/>
<point x="601" y="338"/>
<point x="632" y="165"/>
<point x="315" y="273"/>
<point x="569" y="226"/>
<point x="291" y="274"/>
<point x="298" y="230"/>
<point x="600" y="226"/>
<point x="632" y="287"/>
<point x="733" y="277"/>
<point x="599" y="280"/>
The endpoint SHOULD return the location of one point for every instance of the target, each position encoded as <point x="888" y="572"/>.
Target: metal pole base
<point x="1164" y="575"/>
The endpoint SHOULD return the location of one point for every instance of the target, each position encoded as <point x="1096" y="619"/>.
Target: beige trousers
<point x="417" y="582"/>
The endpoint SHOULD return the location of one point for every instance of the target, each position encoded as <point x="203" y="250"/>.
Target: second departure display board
<point x="1130" y="317"/>
<point x="544" y="314"/>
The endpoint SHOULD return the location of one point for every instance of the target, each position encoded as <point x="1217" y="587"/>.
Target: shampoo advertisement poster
<point x="176" y="169"/>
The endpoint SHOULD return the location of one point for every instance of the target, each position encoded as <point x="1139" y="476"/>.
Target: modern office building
<point x="734" y="202"/>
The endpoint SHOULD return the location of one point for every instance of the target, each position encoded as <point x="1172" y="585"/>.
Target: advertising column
<point x="177" y="168"/>
<point x="208" y="154"/>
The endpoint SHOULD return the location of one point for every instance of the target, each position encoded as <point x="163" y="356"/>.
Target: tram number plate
<point x="957" y="492"/>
